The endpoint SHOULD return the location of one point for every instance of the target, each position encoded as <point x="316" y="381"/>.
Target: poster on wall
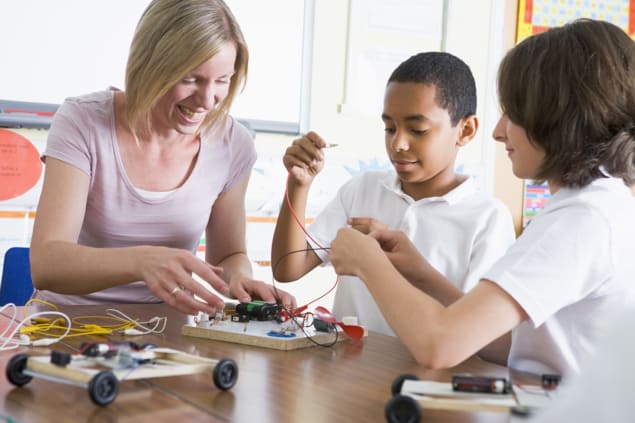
<point x="20" y="166"/>
<point x="535" y="198"/>
<point x="535" y="16"/>
<point x="21" y="175"/>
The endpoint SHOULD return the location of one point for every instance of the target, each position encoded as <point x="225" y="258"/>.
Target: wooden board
<point x="255" y="333"/>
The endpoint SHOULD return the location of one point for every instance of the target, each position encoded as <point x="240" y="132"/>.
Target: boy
<point x="573" y="266"/>
<point x="429" y="113"/>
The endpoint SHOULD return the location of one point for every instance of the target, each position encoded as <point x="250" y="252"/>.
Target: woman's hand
<point x="167" y="273"/>
<point x="245" y="289"/>
<point x="304" y="158"/>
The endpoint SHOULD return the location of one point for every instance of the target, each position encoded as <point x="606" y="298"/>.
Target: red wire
<point x="295" y="216"/>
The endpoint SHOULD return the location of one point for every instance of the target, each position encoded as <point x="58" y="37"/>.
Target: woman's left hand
<point x="246" y="289"/>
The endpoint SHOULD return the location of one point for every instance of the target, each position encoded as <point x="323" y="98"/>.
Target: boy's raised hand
<point x="304" y="158"/>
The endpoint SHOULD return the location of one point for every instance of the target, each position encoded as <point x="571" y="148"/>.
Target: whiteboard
<point x="382" y="34"/>
<point x="57" y="49"/>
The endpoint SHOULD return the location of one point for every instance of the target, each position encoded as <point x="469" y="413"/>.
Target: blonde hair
<point x="172" y="38"/>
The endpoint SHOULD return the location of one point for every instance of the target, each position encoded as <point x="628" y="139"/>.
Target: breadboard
<point x="256" y="333"/>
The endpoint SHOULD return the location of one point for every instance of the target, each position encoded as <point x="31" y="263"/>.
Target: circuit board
<point x="267" y="334"/>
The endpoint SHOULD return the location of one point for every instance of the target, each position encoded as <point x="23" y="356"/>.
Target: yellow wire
<point x="43" y="327"/>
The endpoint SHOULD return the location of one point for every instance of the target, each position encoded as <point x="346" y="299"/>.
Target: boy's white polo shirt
<point x="461" y="233"/>
<point x="571" y="268"/>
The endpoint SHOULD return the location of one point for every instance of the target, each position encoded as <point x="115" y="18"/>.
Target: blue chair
<point x="16" y="287"/>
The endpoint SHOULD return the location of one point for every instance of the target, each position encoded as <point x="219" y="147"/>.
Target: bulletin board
<point x="535" y="16"/>
<point x="21" y="176"/>
<point x="535" y="199"/>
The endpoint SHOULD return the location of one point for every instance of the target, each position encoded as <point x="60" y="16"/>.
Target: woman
<point x="134" y="178"/>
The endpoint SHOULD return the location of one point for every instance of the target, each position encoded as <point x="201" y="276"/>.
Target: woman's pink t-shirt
<point x="83" y="135"/>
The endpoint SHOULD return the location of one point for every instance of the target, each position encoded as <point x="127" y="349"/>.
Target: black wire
<point x="277" y="296"/>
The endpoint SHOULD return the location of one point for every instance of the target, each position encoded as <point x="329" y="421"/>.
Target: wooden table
<point x="349" y="382"/>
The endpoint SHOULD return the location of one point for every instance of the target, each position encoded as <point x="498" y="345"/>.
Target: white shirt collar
<point x="464" y="189"/>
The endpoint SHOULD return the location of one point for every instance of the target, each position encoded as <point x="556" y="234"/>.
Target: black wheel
<point x="15" y="370"/>
<point x="225" y="374"/>
<point x="103" y="388"/>
<point x="395" y="388"/>
<point x="402" y="409"/>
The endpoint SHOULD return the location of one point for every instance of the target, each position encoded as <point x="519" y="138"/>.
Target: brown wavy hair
<point x="572" y="89"/>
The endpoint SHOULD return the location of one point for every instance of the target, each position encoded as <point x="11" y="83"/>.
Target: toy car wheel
<point x="15" y="370"/>
<point x="103" y="388"/>
<point x="395" y="388"/>
<point x="402" y="409"/>
<point x="225" y="374"/>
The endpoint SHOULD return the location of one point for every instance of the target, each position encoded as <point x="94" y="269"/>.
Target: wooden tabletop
<point x="348" y="382"/>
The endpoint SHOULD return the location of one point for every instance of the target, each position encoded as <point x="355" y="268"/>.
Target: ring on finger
<point x="175" y="291"/>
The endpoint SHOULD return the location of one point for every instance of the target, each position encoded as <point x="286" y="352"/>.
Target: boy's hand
<point x="366" y="225"/>
<point x="401" y="252"/>
<point x="352" y="251"/>
<point x="304" y="158"/>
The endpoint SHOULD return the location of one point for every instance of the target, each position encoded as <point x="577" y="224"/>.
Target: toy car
<point x="466" y="393"/>
<point x="101" y="367"/>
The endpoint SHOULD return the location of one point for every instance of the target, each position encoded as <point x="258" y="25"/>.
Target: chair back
<point x="16" y="286"/>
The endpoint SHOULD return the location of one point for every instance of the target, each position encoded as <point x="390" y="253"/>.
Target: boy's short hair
<point x="452" y="78"/>
<point x="572" y="89"/>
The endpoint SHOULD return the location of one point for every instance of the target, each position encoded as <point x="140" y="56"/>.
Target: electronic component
<point x="468" y="383"/>
<point x="550" y="381"/>
<point x="259" y="310"/>
<point x="60" y="358"/>
<point x="240" y="318"/>
<point x="322" y="326"/>
<point x="94" y="349"/>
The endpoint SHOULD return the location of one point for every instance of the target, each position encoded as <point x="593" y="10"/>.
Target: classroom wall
<point x="360" y="135"/>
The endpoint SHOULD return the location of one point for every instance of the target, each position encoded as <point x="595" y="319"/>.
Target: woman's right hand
<point x="167" y="273"/>
<point x="304" y="158"/>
